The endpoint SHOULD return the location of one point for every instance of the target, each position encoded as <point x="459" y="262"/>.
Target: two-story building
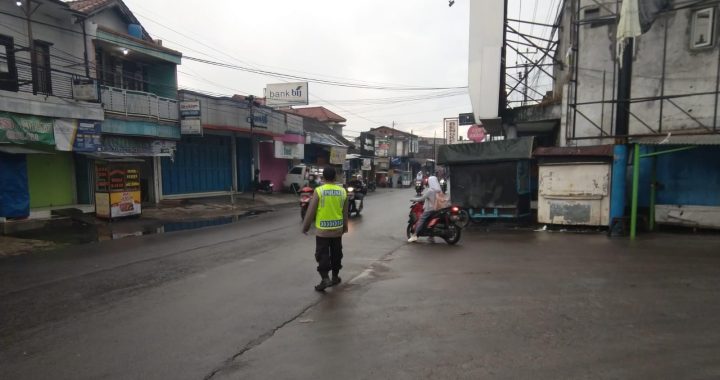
<point x="48" y="112"/>
<point x="137" y="80"/>
<point x="650" y="81"/>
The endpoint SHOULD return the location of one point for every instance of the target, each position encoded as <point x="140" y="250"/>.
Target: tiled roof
<point x="88" y="6"/>
<point x="320" y="114"/>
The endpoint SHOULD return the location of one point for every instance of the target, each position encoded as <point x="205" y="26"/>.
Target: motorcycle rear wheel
<point x="409" y="230"/>
<point x="455" y="237"/>
<point x="303" y="211"/>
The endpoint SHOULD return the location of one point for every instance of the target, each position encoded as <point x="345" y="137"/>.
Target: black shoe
<point x="335" y="281"/>
<point x="324" y="283"/>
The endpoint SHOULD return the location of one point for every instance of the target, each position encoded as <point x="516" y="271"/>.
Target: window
<point x="8" y="70"/>
<point x="591" y="13"/>
<point x="703" y="24"/>
<point x="42" y="78"/>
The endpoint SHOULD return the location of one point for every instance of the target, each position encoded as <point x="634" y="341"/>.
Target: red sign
<point x="476" y="133"/>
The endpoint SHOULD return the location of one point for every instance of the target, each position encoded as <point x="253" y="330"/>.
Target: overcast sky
<point x="399" y="42"/>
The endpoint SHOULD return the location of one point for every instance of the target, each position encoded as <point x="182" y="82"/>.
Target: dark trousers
<point x="328" y="254"/>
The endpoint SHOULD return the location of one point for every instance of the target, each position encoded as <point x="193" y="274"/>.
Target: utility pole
<point x="251" y="101"/>
<point x="28" y="10"/>
<point x="624" y="86"/>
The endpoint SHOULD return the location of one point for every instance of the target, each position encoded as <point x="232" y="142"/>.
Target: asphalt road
<point x="176" y="305"/>
<point x="236" y="302"/>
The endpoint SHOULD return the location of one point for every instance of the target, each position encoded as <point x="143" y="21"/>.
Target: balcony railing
<point x="138" y="104"/>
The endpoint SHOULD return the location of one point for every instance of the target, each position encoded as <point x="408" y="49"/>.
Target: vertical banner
<point x="451" y="130"/>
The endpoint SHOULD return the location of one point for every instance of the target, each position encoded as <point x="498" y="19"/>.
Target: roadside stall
<point x="491" y="179"/>
<point x="117" y="189"/>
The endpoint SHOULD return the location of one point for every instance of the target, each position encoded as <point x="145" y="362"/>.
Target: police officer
<point x="329" y="210"/>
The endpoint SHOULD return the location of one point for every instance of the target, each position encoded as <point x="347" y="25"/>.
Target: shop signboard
<point x="286" y="94"/>
<point x="190" y="118"/>
<point x="476" y="133"/>
<point x="190" y="108"/>
<point x="261" y="116"/>
<point x="383" y="147"/>
<point x="85" y="89"/>
<point x="337" y="155"/>
<point x="367" y="144"/>
<point x="73" y="135"/>
<point x="117" y="191"/>
<point x="451" y="130"/>
<point x="289" y="151"/>
<point x="23" y="129"/>
<point x="366" y="164"/>
<point x="136" y="146"/>
<point x="466" y="118"/>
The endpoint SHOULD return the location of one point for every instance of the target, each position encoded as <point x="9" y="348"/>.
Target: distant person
<point x="419" y="176"/>
<point x="329" y="210"/>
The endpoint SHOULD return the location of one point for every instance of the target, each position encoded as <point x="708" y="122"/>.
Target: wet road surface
<point x="236" y="302"/>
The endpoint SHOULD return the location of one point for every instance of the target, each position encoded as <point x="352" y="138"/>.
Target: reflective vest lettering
<point x="331" y="200"/>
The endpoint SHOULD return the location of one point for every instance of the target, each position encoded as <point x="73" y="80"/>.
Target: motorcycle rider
<point x="329" y="210"/>
<point x="429" y="198"/>
<point x="360" y="190"/>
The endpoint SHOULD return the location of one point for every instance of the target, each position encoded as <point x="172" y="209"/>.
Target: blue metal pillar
<point x="618" y="195"/>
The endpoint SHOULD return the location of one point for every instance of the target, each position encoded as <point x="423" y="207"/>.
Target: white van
<point x="296" y="178"/>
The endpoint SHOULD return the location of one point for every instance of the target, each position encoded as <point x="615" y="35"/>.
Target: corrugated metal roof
<point x="583" y="151"/>
<point x="670" y="139"/>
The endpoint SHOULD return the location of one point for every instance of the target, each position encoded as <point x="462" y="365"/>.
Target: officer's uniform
<point x="328" y="209"/>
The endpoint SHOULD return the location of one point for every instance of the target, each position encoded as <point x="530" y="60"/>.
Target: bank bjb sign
<point x="286" y="94"/>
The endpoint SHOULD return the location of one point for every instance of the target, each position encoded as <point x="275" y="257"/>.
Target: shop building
<point x="137" y="85"/>
<point x="47" y="116"/>
<point x="220" y="155"/>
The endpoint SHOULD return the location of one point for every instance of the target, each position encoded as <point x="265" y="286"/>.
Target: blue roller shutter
<point x="202" y="165"/>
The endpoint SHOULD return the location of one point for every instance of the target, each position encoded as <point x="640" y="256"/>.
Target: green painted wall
<point x="162" y="80"/>
<point x="50" y="179"/>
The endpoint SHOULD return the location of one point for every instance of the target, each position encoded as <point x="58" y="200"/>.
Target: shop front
<point x="202" y="165"/>
<point x="35" y="174"/>
<point x="144" y="154"/>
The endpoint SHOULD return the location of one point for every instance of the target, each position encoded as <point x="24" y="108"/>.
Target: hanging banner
<point x="337" y="155"/>
<point x="73" y="135"/>
<point x="22" y="129"/>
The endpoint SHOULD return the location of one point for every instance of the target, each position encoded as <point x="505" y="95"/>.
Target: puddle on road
<point x="73" y="231"/>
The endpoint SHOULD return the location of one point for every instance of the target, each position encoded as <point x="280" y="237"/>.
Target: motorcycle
<point x="419" y="187"/>
<point x="371" y="186"/>
<point x="305" y="196"/>
<point x="445" y="223"/>
<point x="443" y="185"/>
<point x="264" y="186"/>
<point x="355" y="201"/>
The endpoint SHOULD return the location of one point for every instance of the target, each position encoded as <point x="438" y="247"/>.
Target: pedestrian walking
<point x="430" y="199"/>
<point x="328" y="209"/>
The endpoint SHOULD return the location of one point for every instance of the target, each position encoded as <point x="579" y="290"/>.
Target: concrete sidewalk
<point x="179" y="214"/>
